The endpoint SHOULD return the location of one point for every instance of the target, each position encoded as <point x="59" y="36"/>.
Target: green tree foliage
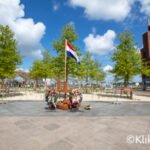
<point x="91" y="69"/>
<point x="42" y="68"/>
<point x="98" y="73"/>
<point x="48" y="64"/>
<point x="127" y="59"/>
<point x="9" y="56"/>
<point x="70" y="34"/>
<point x="37" y="71"/>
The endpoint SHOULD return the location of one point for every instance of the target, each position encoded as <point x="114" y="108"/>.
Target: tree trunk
<point x="87" y="81"/>
<point x="126" y="82"/>
<point x="35" y="85"/>
<point x="2" y="83"/>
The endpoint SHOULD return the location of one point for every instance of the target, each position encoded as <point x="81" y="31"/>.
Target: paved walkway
<point x="27" y="125"/>
<point x="36" y="108"/>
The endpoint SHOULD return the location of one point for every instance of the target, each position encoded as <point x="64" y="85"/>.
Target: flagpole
<point x="65" y="61"/>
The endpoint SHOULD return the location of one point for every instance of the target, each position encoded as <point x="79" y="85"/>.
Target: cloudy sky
<point x="37" y="23"/>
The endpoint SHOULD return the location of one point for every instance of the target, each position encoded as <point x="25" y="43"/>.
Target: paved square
<point x="28" y="126"/>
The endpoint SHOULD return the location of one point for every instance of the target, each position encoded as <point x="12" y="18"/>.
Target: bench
<point x="4" y="91"/>
<point x="127" y="91"/>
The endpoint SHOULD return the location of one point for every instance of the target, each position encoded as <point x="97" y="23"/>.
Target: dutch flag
<point x="71" y="52"/>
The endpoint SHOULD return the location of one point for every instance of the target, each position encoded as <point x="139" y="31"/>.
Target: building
<point x="145" y="53"/>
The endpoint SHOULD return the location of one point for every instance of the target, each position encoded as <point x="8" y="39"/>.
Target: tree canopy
<point x="90" y="69"/>
<point x="68" y="33"/>
<point x="42" y="68"/>
<point x="54" y="67"/>
<point x="9" y="56"/>
<point x="128" y="62"/>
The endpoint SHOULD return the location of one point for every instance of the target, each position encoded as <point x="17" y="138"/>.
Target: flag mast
<point x="65" y="61"/>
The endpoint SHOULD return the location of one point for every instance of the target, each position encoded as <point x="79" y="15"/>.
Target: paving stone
<point x="34" y="108"/>
<point x="51" y="127"/>
<point x="60" y="145"/>
<point x="25" y="124"/>
<point x="28" y="126"/>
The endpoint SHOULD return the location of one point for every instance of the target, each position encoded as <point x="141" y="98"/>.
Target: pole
<point x="65" y="62"/>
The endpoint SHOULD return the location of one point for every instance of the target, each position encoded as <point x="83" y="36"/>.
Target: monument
<point x="145" y="53"/>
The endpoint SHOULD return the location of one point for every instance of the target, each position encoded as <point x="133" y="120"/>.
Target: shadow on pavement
<point x="109" y="108"/>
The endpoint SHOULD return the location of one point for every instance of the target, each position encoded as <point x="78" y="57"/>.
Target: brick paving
<point x="28" y="126"/>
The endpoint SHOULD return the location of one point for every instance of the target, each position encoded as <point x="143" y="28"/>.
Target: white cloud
<point x="55" y="7"/>
<point x="27" y="33"/>
<point x="10" y="11"/>
<point x="117" y="10"/>
<point x="94" y="30"/>
<point x="107" y="68"/>
<point x="72" y="23"/>
<point x="106" y="10"/>
<point x="145" y="6"/>
<point x="22" y="69"/>
<point x="100" y="44"/>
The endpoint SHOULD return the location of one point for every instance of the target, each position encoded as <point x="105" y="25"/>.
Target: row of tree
<point x="128" y="62"/>
<point x="48" y="67"/>
<point x="53" y="67"/>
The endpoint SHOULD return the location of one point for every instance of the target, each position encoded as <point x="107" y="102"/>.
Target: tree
<point x="48" y="65"/>
<point x="42" y="68"/>
<point x="91" y="69"/>
<point x="98" y="74"/>
<point x="127" y="59"/>
<point x="88" y="66"/>
<point x="70" y="34"/>
<point x="37" y="71"/>
<point x="9" y="56"/>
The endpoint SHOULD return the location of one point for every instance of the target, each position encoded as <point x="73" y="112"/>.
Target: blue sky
<point x="37" y="23"/>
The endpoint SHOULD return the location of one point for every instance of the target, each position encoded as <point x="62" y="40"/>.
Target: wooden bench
<point x="4" y="91"/>
<point x="127" y="91"/>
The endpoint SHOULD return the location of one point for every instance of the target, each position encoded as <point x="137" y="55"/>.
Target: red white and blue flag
<point x="71" y="52"/>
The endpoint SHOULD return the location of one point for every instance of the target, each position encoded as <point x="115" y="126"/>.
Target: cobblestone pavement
<point x="107" y="126"/>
